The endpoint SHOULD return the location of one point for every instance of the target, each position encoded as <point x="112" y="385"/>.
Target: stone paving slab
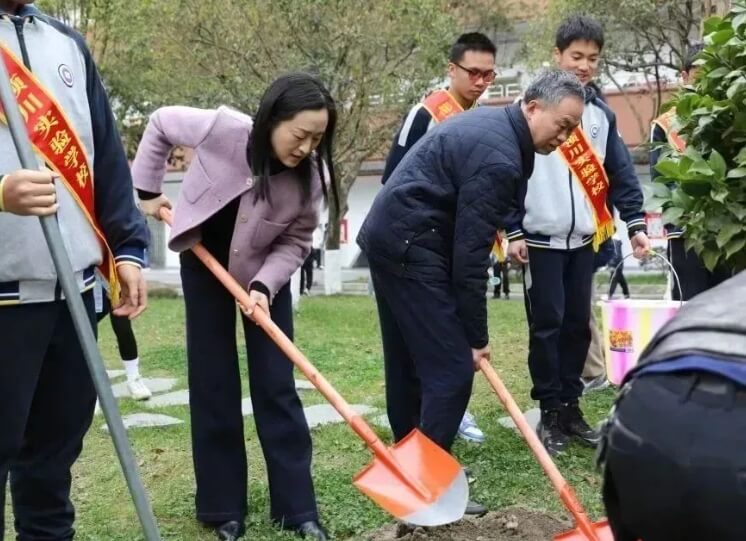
<point x="532" y="416"/>
<point x="323" y="414"/>
<point x="156" y="385"/>
<point x="176" y="398"/>
<point x="146" y="420"/>
<point x="181" y="397"/>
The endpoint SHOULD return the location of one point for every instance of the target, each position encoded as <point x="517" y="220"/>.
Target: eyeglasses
<point x="476" y="74"/>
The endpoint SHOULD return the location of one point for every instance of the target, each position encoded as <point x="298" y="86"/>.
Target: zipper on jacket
<point x="572" y="211"/>
<point x="18" y="22"/>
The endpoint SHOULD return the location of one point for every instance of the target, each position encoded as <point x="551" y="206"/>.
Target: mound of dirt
<point x="512" y="524"/>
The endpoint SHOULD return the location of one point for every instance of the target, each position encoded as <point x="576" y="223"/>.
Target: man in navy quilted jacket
<point x="428" y="238"/>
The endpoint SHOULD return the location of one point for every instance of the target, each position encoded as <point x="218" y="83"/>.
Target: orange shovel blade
<point x="428" y="489"/>
<point x="601" y="529"/>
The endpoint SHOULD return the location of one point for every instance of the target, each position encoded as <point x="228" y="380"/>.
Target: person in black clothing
<point x="617" y="271"/>
<point x="471" y="69"/>
<point x="674" y="466"/>
<point x="501" y="270"/>
<point x="306" y="274"/>
<point x="694" y="277"/>
<point x="428" y="238"/>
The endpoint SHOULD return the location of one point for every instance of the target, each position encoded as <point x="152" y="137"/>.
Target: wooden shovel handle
<point x="264" y="321"/>
<point x="567" y="494"/>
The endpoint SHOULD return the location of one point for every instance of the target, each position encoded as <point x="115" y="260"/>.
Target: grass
<point x="340" y="335"/>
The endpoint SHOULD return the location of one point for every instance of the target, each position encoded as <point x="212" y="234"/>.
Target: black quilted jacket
<point x="436" y="217"/>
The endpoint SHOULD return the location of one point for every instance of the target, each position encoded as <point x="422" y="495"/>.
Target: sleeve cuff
<point x="260" y="287"/>
<point x="478" y="342"/>
<point x="145" y="195"/>
<point x="131" y="255"/>
<point x="635" y="225"/>
<point x="515" y="233"/>
<point x="2" y="201"/>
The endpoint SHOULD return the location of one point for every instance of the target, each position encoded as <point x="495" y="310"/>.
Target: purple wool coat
<point x="269" y="242"/>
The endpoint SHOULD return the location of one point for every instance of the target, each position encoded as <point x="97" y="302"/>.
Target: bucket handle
<point x="664" y="259"/>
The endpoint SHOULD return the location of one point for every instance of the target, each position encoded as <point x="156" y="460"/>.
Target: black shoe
<point x="573" y="424"/>
<point x="550" y="433"/>
<point x="230" y="531"/>
<point x="475" y="509"/>
<point x="311" y="530"/>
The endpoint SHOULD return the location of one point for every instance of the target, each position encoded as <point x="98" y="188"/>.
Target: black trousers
<point x="618" y="278"/>
<point x="501" y="270"/>
<point x="427" y="358"/>
<point x="306" y="274"/>
<point x="122" y="327"/>
<point x="557" y="286"/>
<point x="46" y="406"/>
<point x="219" y="452"/>
<point x="693" y="275"/>
<point x="675" y="462"/>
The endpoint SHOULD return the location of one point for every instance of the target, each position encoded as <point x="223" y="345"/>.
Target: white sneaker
<point x="468" y="429"/>
<point x="137" y="388"/>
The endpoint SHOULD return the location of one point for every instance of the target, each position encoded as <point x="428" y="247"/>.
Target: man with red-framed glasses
<point x="471" y="69"/>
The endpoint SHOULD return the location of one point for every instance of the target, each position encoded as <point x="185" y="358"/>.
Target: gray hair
<point x="551" y="86"/>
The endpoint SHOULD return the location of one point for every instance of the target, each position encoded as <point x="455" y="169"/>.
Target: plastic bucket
<point x="629" y="325"/>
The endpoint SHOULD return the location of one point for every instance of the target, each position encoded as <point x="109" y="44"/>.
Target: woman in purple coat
<point x="251" y="195"/>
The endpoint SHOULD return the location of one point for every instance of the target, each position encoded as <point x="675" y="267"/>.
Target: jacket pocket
<point x="197" y="183"/>
<point x="266" y="232"/>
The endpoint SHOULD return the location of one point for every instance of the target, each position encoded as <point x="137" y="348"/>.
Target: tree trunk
<point x="333" y="255"/>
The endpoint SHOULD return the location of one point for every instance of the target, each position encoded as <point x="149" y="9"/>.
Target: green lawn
<point x="340" y="335"/>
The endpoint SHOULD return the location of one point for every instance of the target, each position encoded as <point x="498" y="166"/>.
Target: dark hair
<point x="287" y="96"/>
<point x="578" y="28"/>
<point x="473" y="41"/>
<point x="692" y="53"/>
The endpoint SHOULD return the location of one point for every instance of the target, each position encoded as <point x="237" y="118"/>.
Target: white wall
<point x="359" y="201"/>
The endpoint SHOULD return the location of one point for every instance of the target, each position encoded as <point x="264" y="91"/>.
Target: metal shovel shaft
<point x="356" y="422"/>
<point x="80" y="319"/>
<point x="566" y="493"/>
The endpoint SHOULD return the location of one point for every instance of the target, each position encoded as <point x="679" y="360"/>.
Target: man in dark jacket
<point x="675" y="466"/>
<point x="428" y="238"/>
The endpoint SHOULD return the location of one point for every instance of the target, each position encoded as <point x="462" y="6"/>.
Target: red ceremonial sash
<point x="588" y="170"/>
<point x="665" y="121"/>
<point x="56" y="142"/>
<point x="441" y="104"/>
<point x="497" y="247"/>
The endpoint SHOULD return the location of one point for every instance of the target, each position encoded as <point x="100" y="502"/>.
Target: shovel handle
<point x="264" y="321"/>
<point x="567" y="494"/>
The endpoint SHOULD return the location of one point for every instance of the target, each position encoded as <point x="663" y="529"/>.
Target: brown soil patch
<point x="512" y="524"/>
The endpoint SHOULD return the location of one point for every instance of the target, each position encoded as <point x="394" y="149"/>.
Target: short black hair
<point x="692" y="52"/>
<point x="578" y="28"/>
<point x="473" y="41"/>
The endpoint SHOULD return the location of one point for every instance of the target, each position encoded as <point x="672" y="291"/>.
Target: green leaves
<point x="709" y="179"/>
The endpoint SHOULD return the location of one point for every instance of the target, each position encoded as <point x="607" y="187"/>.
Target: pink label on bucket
<point x="628" y="328"/>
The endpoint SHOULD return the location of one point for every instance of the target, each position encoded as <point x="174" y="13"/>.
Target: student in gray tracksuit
<point x="47" y="396"/>
<point x="554" y="233"/>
